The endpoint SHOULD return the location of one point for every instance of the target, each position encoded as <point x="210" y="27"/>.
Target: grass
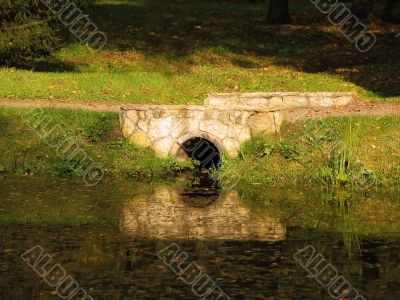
<point x="335" y="152"/>
<point x="193" y="48"/>
<point x="176" y="52"/>
<point x="317" y="152"/>
<point x="23" y="152"/>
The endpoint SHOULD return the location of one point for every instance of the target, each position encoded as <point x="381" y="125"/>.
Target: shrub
<point x="30" y="30"/>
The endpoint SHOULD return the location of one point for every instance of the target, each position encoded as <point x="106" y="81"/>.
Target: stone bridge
<point x="224" y="122"/>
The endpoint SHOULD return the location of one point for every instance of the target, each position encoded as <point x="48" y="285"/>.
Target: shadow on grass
<point x="176" y="29"/>
<point x="50" y="66"/>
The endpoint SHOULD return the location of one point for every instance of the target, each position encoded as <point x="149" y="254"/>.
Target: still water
<point x="107" y="238"/>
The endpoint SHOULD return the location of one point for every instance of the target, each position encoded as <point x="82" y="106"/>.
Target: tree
<point x="29" y="30"/>
<point x="388" y="12"/>
<point x="362" y="8"/>
<point x="278" y="12"/>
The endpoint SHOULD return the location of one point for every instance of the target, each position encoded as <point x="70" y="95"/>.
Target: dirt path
<point x="356" y="108"/>
<point x="59" y="104"/>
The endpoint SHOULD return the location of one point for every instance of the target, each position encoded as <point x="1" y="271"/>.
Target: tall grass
<point x="342" y="167"/>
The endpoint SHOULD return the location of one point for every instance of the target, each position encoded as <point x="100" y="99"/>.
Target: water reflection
<point x="172" y="213"/>
<point x="240" y="243"/>
<point x="110" y="265"/>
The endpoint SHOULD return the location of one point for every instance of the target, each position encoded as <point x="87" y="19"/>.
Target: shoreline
<point x="286" y="158"/>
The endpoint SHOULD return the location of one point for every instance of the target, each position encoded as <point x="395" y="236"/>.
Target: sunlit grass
<point x="194" y="48"/>
<point x="297" y="156"/>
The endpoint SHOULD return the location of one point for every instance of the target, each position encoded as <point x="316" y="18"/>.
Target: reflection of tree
<point x="126" y="268"/>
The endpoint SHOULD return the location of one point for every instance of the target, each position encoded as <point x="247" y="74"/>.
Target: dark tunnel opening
<point x="204" y="151"/>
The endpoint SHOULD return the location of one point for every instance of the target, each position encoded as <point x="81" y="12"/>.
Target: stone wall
<point x="226" y="120"/>
<point x="166" y="128"/>
<point x="280" y="101"/>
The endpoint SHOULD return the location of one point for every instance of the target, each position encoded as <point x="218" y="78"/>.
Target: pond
<point x="128" y="240"/>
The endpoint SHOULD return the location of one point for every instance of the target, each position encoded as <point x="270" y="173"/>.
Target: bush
<point x="30" y="30"/>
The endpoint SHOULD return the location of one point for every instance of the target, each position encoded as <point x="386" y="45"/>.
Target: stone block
<point x="276" y="101"/>
<point x="330" y="99"/>
<point x="231" y="146"/>
<point x="140" y="138"/>
<point x="262" y="122"/>
<point x="279" y="117"/>
<point x="211" y="114"/>
<point x="143" y="124"/>
<point x="129" y="123"/>
<point x="214" y="127"/>
<point x="132" y="115"/>
<point x="163" y="146"/>
<point x="241" y="133"/>
<point x="318" y="101"/>
<point x="257" y="102"/>
<point x="183" y="127"/>
<point x="159" y="128"/>
<point x="295" y="101"/>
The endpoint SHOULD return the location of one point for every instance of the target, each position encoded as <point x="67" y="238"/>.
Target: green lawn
<point x="178" y="51"/>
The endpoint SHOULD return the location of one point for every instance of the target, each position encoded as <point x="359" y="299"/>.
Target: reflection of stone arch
<point x="166" y="215"/>
<point x="178" y="151"/>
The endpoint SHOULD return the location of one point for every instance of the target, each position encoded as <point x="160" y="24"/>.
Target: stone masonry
<point x="226" y="120"/>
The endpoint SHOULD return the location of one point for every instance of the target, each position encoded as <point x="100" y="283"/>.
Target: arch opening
<point x="202" y="150"/>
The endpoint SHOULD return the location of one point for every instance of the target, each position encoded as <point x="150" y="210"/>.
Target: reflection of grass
<point x="349" y="213"/>
<point x="53" y="207"/>
<point x="177" y="51"/>
<point x="49" y="219"/>
<point x="340" y="204"/>
<point x="38" y="201"/>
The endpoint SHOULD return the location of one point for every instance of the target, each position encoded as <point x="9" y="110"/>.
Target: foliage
<point x="29" y="30"/>
<point x="337" y="170"/>
<point x="259" y="146"/>
<point x="341" y="166"/>
<point x="97" y="128"/>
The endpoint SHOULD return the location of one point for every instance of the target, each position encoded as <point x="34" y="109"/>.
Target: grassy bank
<point x="178" y="51"/>
<point x="338" y="152"/>
<point x="23" y="152"/>
<point x="359" y="152"/>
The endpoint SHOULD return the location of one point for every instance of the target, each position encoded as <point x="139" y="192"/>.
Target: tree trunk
<point x="387" y="14"/>
<point x="278" y="12"/>
<point x="362" y="8"/>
